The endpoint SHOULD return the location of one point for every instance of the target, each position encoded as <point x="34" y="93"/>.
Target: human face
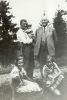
<point x="44" y="24"/>
<point x="23" y="25"/>
<point x="20" y="63"/>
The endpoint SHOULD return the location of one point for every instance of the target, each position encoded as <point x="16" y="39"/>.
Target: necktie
<point x="43" y="35"/>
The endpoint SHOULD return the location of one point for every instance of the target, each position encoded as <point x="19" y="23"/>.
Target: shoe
<point x="57" y="92"/>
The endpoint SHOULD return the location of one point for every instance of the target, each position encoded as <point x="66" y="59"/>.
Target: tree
<point x="6" y="24"/>
<point x="61" y="30"/>
<point x="60" y="24"/>
<point x="6" y="27"/>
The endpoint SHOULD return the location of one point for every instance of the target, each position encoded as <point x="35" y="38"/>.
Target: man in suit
<point x="45" y="41"/>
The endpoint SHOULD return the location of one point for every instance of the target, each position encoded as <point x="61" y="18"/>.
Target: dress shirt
<point x="23" y="37"/>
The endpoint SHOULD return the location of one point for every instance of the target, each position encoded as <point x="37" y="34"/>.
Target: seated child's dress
<point x="21" y="84"/>
<point x="52" y="74"/>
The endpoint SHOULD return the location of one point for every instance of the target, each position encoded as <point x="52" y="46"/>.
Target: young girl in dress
<point x="52" y="75"/>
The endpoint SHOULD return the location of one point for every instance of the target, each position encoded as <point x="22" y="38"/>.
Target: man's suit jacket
<point x="39" y="35"/>
<point x="49" y="37"/>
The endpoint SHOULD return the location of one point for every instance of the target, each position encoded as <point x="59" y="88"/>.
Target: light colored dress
<point x="52" y="76"/>
<point x="24" y="85"/>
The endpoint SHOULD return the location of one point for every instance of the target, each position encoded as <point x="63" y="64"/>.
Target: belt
<point x="24" y="45"/>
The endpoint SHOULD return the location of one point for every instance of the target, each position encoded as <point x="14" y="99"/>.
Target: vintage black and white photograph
<point x="33" y="49"/>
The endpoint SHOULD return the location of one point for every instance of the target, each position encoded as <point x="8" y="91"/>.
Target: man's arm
<point x="23" y="37"/>
<point x="55" y="35"/>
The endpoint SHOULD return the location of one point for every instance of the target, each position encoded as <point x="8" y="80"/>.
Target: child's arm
<point x="23" y="72"/>
<point x="23" y="75"/>
<point x="43" y="71"/>
<point x="57" y="67"/>
<point x="59" y="71"/>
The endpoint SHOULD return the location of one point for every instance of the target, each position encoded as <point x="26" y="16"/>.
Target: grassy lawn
<point x="5" y="93"/>
<point x="61" y="59"/>
<point x="61" y="54"/>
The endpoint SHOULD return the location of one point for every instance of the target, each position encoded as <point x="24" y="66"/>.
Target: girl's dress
<point x="21" y="84"/>
<point x="52" y="75"/>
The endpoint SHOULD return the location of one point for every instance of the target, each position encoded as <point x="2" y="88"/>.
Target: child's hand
<point x="51" y="78"/>
<point x="23" y="72"/>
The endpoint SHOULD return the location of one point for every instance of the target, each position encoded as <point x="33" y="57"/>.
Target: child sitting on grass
<point x="52" y="75"/>
<point x="21" y="82"/>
